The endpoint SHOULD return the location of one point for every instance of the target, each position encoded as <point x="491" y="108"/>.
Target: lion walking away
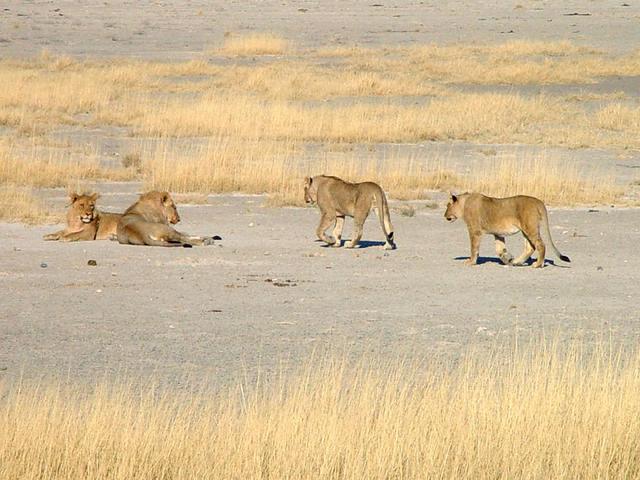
<point x="338" y="199"/>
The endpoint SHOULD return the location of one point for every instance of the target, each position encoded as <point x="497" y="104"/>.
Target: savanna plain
<point x="268" y="355"/>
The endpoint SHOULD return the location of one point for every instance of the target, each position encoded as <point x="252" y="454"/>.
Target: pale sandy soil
<point x="178" y="29"/>
<point x="269" y="294"/>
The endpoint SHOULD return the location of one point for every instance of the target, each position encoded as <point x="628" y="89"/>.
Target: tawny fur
<point x="146" y="222"/>
<point x="84" y="222"/>
<point x="338" y="199"/>
<point x="501" y="217"/>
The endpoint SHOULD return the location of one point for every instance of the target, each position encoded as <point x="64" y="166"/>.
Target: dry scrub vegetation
<point x="21" y="205"/>
<point x="254" y="44"/>
<point x="253" y="113"/>
<point x="536" y="414"/>
<point x="278" y="169"/>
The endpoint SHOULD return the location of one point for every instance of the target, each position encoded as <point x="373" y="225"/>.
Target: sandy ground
<point x="179" y="29"/>
<point x="269" y="295"/>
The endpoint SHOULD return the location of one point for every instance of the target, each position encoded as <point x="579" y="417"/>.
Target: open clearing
<point x="512" y="98"/>
<point x="270" y="295"/>
<point x="269" y="355"/>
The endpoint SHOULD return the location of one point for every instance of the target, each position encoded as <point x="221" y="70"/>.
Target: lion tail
<point x="385" y="218"/>
<point x="547" y="233"/>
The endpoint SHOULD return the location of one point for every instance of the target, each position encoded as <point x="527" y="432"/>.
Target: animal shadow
<point x="529" y="262"/>
<point x="482" y="260"/>
<point x="361" y="244"/>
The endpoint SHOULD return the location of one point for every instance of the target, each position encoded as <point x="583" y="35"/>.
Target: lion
<point x="84" y="222"/>
<point x="338" y="199"/>
<point x="146" y="222"/>
<point x="500" y="217"/>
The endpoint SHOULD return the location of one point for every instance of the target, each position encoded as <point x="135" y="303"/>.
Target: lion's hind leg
<point x="358" y="225"/>
<point x="53" y="236"/>
<point x="501" y="250"/>
<point x="194" y="239"/>
<point x="526" y="253"/>
<point x="532" y="232"/>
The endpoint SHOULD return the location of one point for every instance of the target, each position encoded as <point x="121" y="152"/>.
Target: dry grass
<point x="41" y="167"/>
<point x="383" y="95"/>
<point x="538" y="414"/>
<point x="257" y="167"/>
<point x="177" y="99"/>
<point x="257" y="117"/>
<point x="255" y="44"/>
<point x="555" y="182"/>
<point x="275" y="168"/>
<point x="21" y="205"/>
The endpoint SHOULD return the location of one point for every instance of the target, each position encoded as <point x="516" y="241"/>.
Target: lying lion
<point x="84" y="222"/>
<point x="500" y="217"/>
<point x="338" y="199"/>
<point x="146" y="222"/>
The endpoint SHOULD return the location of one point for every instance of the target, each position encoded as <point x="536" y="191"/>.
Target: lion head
<point x="310" y="191"/>
<point x="82" y="208"/>
<point x="455" y="207"/>
<point x="159" y="204"/>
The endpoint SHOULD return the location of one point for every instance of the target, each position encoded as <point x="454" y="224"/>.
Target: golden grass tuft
<point x="540" y="413"/>
<point x="255" y="44"/>
<point x="41" y="167"/>
<point x="21" y="205"/>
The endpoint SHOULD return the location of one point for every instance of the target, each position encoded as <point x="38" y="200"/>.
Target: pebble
<point x="92" y="263"/>
<point x="44" y="265"/>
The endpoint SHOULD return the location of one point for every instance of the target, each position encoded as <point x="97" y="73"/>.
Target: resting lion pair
<point x="499" y="217"/>
<point x="146" y="222"/>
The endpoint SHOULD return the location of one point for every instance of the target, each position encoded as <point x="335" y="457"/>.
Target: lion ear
<point x="164" y="197"/>
<point x="308" y="180"/>
<point x="453" y="197"/>
<point x="73" y="196"/>
<point x="94" y="196"/>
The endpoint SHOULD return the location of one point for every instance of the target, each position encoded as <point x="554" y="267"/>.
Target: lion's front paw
<point x="470" y="262"/>
<point x="50" y="236"/>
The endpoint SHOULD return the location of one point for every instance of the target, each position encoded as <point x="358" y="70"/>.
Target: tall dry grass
<point x="21" y="205"/>
<point x="255" y="116"/>
<point x="554" y="181"/>
<point x="358" y="95"/>
<point x="277" y="169"/>
<point x="43" y="167"/>
<point x="538" y="414"/>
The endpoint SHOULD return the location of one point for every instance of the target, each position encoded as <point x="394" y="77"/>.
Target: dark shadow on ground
<point x="362" y="244"/>
<point x="483" y="260"/>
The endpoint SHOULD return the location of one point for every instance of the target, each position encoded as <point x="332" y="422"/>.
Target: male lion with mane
<point x="338" y="199"/>
<point x="146" y="222"/>
<point x="84" y="222"/>
<point x="500" y="217"/>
